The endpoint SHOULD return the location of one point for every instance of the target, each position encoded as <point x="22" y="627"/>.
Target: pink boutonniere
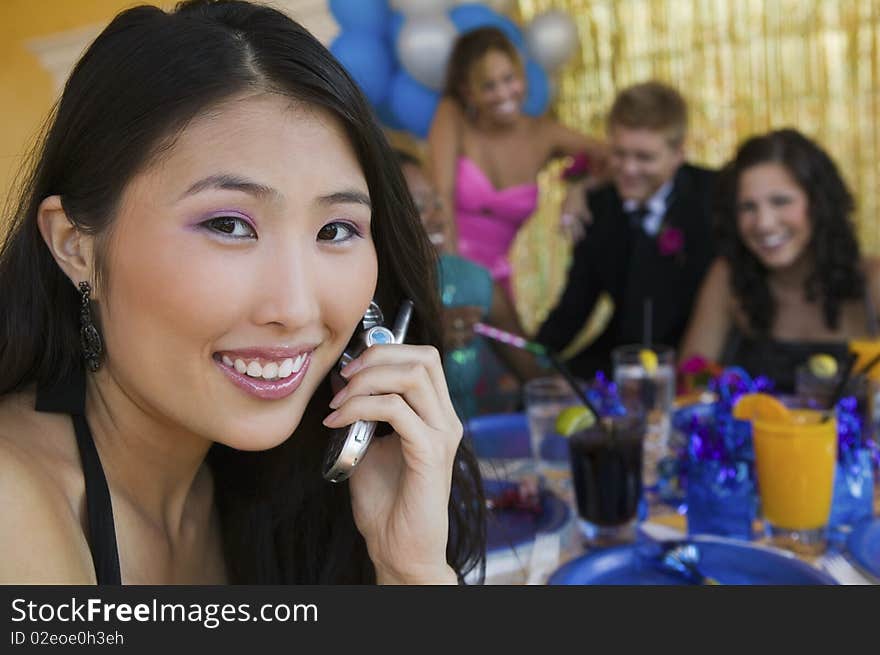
<point x="670" y="241"/>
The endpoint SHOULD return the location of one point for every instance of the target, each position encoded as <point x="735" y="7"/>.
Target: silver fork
<point x="841" y="570"/>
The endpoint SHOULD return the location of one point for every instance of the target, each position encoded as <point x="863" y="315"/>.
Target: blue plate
<point x="727" y="560"/>
<point x="499" y="436"/>
<point x="512" y="528"/>
<point x="863" y="545"/>
<point x="506" y="436"/>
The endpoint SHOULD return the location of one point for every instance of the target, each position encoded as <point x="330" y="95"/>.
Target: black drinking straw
<point x="649" y="387"/>
<point x="572" y="382"/>
<point x="864" y="370"/>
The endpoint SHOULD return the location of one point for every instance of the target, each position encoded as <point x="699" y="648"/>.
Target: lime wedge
<point x="823" y="366"/>
<point x="648" y="358"/>
<point x="574" y="419"/>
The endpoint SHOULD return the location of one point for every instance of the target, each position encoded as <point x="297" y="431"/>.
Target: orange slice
<point x="760" y="406"/>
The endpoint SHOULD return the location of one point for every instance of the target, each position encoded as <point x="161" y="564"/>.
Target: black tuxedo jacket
<point x="623" y="261"/>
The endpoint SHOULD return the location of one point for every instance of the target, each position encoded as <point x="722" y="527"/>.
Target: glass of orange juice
<point x="795" y="460"/>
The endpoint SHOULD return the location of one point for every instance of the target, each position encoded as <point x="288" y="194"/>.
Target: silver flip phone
<point x="348" y="445"/>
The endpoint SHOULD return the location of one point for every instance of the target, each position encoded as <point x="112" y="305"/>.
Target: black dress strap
<point x="99" y="507"/>
<point x="68" y="397"/>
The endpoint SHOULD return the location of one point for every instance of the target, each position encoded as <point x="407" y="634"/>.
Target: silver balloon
<point x="416" y="7"/>
<point x="423" y="47"/>
<point x="551" y="38"/>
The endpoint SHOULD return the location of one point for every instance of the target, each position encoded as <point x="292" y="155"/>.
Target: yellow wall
<point x="26" y="93"/>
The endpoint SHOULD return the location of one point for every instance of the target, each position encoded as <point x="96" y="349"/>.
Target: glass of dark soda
<point x="606" y="466"/>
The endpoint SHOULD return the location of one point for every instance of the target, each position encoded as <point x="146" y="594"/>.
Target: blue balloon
<point x="367" y="59"/>
<point x="471" y="16"/>
<point x="387" y="117"/>
<point x="412" y="103"/>
<point x="511" y="31"/>
<point x="365" y="15"/>
<point x="538" y="96"/>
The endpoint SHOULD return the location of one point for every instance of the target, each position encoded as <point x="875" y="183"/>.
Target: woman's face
<point x="427" y="202"/>
<point x="496" y="88"/>
<point x="238" y="267"/>
<point x="773" y="215"/>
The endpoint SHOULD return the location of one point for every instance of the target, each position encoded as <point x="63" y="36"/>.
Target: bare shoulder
<point x="449" y="110"/>
<point x="41" y="537"/>
<point x="718" y="276"/>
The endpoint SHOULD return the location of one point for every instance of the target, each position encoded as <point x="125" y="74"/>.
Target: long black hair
<point x="136" y="87"/>
<point x="836" y="273"/>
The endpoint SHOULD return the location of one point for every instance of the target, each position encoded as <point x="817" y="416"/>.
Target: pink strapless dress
<point x="489" y="218"/>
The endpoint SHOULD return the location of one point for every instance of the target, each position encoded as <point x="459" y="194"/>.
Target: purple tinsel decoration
<point x="602" y="392"/>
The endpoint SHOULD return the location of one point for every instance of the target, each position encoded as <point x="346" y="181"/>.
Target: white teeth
<point x="286" y="368"/>
<point x="270" y="371"/>
<point x="772" y="242"/>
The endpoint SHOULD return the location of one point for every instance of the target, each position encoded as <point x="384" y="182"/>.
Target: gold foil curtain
<point x="745" y="66"/>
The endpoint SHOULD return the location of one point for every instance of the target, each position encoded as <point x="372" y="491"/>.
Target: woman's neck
<point x="154" y="464"/>
<point x="791" y="280"/>
<point x="488" y="126"/>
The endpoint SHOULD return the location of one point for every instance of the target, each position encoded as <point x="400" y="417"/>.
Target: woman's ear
<point x="72" y="249"/>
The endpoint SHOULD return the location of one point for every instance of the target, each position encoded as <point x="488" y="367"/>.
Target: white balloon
<point x="424" y="45"/>
<point x="551" y="38"/>
<point x="416" y="7"/>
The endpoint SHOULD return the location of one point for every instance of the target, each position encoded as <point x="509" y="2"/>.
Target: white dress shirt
<point x="656" y="206"/>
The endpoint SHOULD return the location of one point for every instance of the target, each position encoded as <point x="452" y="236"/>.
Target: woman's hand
<point x="458" y="325"/>
<point x="575" y="216"/>
<point x="400" y="491"/>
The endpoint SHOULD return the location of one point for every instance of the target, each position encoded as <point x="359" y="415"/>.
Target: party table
<point x="530" y="547"/>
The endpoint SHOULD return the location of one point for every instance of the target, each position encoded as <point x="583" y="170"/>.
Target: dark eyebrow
<point x="346" y="197"/>
<point x="233" y="183"/>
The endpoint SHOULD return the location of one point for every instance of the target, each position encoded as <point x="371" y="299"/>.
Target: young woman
<point x="210" y="215"/>
<point x="486" y="153"/>
<point x="791" y="281"/>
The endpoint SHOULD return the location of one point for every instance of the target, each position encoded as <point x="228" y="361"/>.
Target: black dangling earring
<point x="89" y="337"/>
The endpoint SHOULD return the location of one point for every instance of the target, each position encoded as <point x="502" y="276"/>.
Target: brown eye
<point x="337" y="232"/>
<point x="231" y="226"/>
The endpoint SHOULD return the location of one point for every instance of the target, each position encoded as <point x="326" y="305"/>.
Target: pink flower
<point x="578" y="168"/>
<point x="694" y="365"/>
<point x="670" y="241"/>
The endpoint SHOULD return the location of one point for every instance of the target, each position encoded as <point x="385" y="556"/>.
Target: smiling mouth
<point x="265" y="378"/>
<point x="772" y="242"/>
<point x="263" y="369"/>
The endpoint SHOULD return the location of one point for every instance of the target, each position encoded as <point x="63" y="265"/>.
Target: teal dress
<point x="476" y="379"/>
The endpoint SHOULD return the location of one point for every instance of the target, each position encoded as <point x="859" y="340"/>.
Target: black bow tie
<point x="637" y="216"/>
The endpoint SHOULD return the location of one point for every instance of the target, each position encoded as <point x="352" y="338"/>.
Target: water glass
<point x="650" y="393"/>
<point x="545" y="398"/>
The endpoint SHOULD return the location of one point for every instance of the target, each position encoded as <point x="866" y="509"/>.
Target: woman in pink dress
<point x="486" y="152"/>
